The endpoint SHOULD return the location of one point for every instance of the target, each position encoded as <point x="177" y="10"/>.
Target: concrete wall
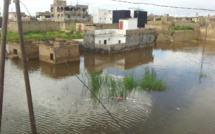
<point x="62" y="52"/>
<point x="129" y="24"/>
<point x="167" y="36"/>
<point x="34" y="26"/>
<point x="210" y="32"/>
<point x="31" y="48"/>
<point x="185" y="35"/>
<point x="140" y="37"/>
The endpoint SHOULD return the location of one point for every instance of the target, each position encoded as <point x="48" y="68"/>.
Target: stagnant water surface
<point x="62" y="105"/>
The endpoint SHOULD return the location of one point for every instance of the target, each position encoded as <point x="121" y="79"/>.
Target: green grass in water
<point x="150" y="82"/>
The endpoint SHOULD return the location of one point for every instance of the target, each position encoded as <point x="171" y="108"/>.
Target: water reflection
<point x="64" y="106"/>
<point x="33" y="65"/>
<point x="97" y="62"/>
<point x="60" y="70"/>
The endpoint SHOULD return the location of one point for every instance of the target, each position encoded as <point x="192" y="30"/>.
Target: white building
<point x="103" y="16"/>
<point x="110" y="36"/>
<point x="115" y="36"/>
<point x="128" y="24"/>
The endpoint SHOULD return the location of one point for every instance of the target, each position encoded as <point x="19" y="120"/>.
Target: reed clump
<point x="107" y="85"/>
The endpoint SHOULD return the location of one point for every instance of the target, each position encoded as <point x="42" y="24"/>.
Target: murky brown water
<point x="62" y="105"/>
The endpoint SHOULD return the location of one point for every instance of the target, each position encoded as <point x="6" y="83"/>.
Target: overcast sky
<point x="44" y="5"/>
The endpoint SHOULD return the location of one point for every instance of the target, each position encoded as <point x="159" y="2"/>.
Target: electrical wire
<point x="109" y="113"/>
<point x="159" y="5"/>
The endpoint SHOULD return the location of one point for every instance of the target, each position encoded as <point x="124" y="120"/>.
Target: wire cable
<point x="109" y="113"/>
<point x="159" y="5"/>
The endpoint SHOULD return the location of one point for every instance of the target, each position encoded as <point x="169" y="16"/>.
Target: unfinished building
<point x="60" y="11"/>
<point x="31" y="49"/>
<point x="59" y="51"/>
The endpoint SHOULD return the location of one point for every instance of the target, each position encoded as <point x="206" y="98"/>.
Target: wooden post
<point x="25" y="68"/>
<point x="3" y="52"/>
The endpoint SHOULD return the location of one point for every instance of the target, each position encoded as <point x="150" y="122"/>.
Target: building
<point x="128" y="24"/>
<point x="31" y="48"/>
<point x="43" y="16"/>
<point x="60" y="11"/>
<point x="12" y="17"/>
<point x="120" y="14"/>
<point x="90" y="26"/>
<point x="102" y="16"/>
<point x="59" y="51"/>
<point x="113" y="40"/>
<point x="141" y="16"/>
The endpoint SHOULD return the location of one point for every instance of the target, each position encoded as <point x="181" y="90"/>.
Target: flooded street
<point x="63" y="105"/>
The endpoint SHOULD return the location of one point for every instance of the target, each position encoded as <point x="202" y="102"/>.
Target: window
<point x="100" y="42"/>
<point x="105" y="41"/>
<point x="51" y="56"/>
<point x="15" y="51"/>
<point x="108" y="39"/>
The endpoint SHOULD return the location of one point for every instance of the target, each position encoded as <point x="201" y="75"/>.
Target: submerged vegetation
<point x="107" y="85"/>
<point x="12" y="36"/>
<point x="149" y="81"/>
<point x="177" y="27"/>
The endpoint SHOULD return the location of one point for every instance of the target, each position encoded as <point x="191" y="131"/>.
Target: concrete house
<point x="12" y="17"/>
<point x="102" y="16"/>
<point x="128" y="36"/>
<point x="60" y="11"/>
<point x="59" y="51"/>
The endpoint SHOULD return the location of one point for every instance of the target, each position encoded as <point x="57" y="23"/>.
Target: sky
<point x="44" y="5"/>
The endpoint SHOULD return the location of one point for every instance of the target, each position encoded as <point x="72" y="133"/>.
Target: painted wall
<point x="110" y="40"/>
<point x="102" y="16"/>
<point x="129" y="24"/>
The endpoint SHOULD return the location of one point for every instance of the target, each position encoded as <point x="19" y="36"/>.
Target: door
<point x="105" y="41"/>
<point x="121" y="25"/>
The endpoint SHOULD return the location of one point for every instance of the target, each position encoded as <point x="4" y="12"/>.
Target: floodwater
<point x="63" y="105"/>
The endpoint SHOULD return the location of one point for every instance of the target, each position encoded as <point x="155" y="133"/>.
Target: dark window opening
<point x="119" y="42"/>
<point x="15" y="51"/>
<point x="105" y="41"/>
<point x="51" y="56"/>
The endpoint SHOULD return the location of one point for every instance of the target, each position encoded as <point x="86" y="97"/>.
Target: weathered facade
<point x="90" y="26"/>
<point x="32" y="26"/>
<point x="102" y="16"/>
<point x="12" y="17"/>
<point x="31" y="48"/>
<point x="60" y="11"/>
<point x="129" y="40"/>
<point x="59" y="51"/>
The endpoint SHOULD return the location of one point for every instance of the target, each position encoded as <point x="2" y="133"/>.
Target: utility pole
<point x="2" y="54"/>
<point x="25" y="69"/>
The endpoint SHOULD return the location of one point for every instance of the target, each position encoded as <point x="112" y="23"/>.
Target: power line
<point x="159" y="5"/>
<point x="109" y="113"/>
